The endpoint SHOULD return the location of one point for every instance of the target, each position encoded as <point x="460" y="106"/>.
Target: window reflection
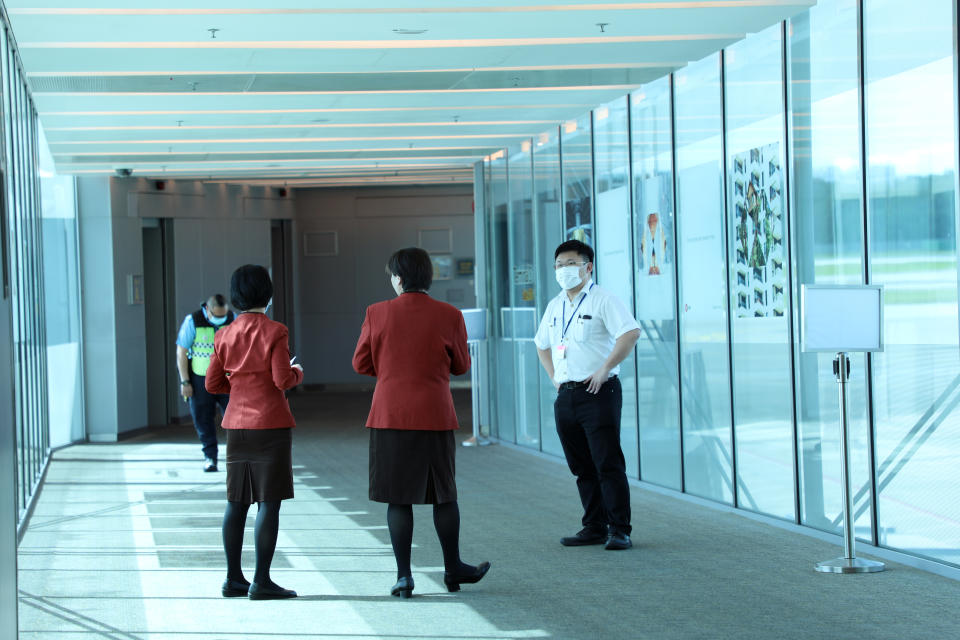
<point x="704" y="363"/>
<point x="912" y="154"/>
<point x="655" y="278"/>
<point x="829" y="247"/>
<point x="613" y="260"/>
<point x="759" y="299"/>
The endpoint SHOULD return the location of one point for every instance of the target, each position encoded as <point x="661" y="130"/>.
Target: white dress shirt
<point x="582" y="332"/>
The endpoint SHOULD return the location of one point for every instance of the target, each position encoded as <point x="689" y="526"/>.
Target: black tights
<point x="446" y="520"/>
<point x="264" y="535"/>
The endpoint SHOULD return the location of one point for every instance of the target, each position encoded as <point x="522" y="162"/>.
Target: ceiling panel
<point x="344" y="90"/>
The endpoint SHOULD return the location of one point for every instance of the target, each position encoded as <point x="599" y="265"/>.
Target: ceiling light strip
<point x="364" y="92"/>
<point x="332" y="125"/>
<point x="590" y="6"/>
<point x="459" y="43"/>
<point x="178" y="112"/>
<point x="379" y="71"/>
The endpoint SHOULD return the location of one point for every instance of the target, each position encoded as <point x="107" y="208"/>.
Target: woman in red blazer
<point x="251" y="362"/>
<point x="412" y="344"/>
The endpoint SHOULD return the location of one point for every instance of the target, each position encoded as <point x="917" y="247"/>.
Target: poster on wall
<point x="579" y="225"/>
<point x="655" y="260"/>
<point x="759" y="276"/>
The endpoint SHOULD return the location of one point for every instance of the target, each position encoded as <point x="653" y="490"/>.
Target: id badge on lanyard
<point x="560" y="362"/>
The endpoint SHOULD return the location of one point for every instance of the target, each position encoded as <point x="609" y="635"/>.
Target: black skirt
<point x="412" y="466"/>
<point x="259" y="465"/>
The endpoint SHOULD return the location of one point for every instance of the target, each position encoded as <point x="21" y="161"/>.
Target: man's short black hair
<point x="250" y="287"/>
<point x="218" y="300"/>
<point x="575" y="245"/>
<point x="414" y="267"/>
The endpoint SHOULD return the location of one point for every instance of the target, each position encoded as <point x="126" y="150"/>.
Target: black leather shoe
<point x="584" y="537"/>
<point x="257" y="592"/>
<point x="403" y="588"/>
<point x="209" y="464"/>
<point x="235" y="588"/>
<point x="454" y="580"/>
<point x="618" y="542"/>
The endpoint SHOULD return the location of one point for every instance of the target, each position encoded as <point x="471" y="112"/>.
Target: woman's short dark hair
<point x="414" y="267"/>
<point x="575" y="245"/>
<point x="250" y="287"/>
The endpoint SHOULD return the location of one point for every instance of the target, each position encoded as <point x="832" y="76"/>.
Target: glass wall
<point x="827" y="246"/>
<point x="522" y="312"/>
<point x="701" y="260"/>
<point x="502" y="352"/>
<point x="548" y="222"/>
<point x="757" y="259"/>
<point x="61" y="303"/>
<point x="25" y="264"/>
<point x="613" y="246"/>
<point x="809" y="153"/>
<point x="910" y="105"/>
<point x="655" y="275"/>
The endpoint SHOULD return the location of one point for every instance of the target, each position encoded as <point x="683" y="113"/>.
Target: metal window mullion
<point x="42" y="337"/>
<point x="734" y="473"/>
<point x="672" y="110"/>
<point x="786" y="77"/>
<point x="866" y="272"/>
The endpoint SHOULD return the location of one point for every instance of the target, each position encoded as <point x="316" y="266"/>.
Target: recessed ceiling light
<point x="409" y="32"/>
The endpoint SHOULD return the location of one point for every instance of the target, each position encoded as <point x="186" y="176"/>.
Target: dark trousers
<point x="589" y="429"/>
<point x="203" y="406"/>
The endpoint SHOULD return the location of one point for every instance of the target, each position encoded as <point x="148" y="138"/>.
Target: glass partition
<point x="827" y="245"/>
<point x="548" y="222"/>
<point x="758" y="262"/>
<point x="614" y="253"/>
<point x="501" y="340"/>
<point x="655" y="269"/>
<point x="522" y="311"/>
<point x="911" y="144"/>
<point x="577" y="172"/>
<point x="701" y="259"/>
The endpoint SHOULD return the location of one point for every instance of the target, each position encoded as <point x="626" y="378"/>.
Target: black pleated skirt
<point x="412" y="466"/>
<point x="259" y="465"/>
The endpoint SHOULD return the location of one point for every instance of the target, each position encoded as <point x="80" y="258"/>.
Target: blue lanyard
<point x="564" y="325"/>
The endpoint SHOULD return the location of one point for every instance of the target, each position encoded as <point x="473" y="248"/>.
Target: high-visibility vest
<point x="202" y="347"/>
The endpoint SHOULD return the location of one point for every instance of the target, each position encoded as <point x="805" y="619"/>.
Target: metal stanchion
<point x="476" y="439"/>
<point x="849" y="563"/>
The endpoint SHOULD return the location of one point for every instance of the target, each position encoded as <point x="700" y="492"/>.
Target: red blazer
<point x="412" y="344"/>
<point x="251" y="362"/>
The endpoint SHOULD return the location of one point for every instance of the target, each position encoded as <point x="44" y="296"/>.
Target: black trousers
<point x="203" y="407"/>
<point x="589" y="429"/>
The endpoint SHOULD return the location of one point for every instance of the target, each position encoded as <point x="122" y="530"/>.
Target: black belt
<point x="577" y="385"/>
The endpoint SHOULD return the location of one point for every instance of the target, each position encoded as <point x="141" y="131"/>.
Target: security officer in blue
<point x="194" y="348"/>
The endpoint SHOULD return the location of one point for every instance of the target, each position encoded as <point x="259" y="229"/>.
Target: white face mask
<point x="217" y="320"/>
<point x="395" y="282"/>
<point x="568" y="277"/>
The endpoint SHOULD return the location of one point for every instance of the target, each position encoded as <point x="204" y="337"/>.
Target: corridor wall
<point x="344" y="238"/>
<point x="215" y="228"/>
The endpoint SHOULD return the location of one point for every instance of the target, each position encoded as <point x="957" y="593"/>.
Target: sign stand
<point x="849" y="562"/>
<point x="475" y="321"/>
<point x="841" y="319"/>
<point x="476" y="440"/>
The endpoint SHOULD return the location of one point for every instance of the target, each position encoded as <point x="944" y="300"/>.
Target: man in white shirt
<point x="584" y="335"/>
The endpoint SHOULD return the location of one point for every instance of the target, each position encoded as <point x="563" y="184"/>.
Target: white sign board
<point x="839" y="318"/>
<point x="476" y="322"/>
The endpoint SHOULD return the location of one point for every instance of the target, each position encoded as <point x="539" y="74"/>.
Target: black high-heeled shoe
<point x="454" y="580"/>
<point x="403" y="588"/>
